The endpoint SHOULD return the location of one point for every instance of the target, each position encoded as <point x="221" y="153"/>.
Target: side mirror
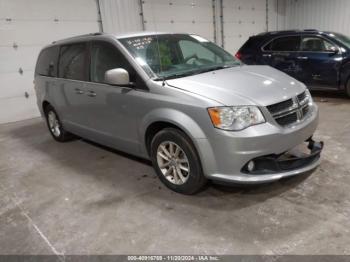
<point x="334" y="51"/>
<point x="117" y="76"/>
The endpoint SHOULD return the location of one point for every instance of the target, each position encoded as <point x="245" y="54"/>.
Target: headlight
<point x="308" y="95"/>
<point x="235" y="117"/>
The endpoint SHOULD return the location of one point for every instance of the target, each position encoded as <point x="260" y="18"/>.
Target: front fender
<point x="172" y="116"/>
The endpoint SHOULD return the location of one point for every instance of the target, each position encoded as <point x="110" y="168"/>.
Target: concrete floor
<point x="79" y="198"/>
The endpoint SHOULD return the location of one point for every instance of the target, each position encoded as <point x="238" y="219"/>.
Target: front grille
<point x="280" y="106"/>
<point x="302" y="96"/>
<point x="290" y="111"/>
<point x="305" y="110"/>
<point x="287" y="119"/>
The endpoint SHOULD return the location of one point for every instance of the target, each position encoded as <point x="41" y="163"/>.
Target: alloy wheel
<point x="173" y="162"/>
<point x="54" y="123"/>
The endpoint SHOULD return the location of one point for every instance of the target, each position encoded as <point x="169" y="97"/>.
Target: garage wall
<point x="25" y="27"/>
<point x="194" y="16"/>
<point x="276" y="15"/>
<point x="318" y="14"/>
<point x="242" y="18"/>
<point x="121" y="16"/>
<point x="238" y="19"/>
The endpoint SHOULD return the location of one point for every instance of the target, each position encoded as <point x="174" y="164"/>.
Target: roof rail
<point x="288" y="31"/>
<point x="281" y="31"/>
<point x="77" y="37"/>
<point x="97" y="33"/>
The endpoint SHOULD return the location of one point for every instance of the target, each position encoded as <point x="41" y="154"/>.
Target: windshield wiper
<point x="179" y="75"/>
<point x="194" y="72"/>
<point x="213" y="68"/>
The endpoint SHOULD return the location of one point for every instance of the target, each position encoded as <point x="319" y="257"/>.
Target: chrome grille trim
<point x="286" y="111"/>
<point x="286" y="116"/>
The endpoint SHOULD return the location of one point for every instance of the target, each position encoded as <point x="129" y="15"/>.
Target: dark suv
<point x="321" y="60"/>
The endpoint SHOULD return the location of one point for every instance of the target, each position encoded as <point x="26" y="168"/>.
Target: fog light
<point x="251" y="166"/>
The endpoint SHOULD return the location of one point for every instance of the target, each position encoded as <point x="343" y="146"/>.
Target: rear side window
<point x="250" y="44"/>
<point x="72" y="62"/>
<point x="104" y="57"/>
<point x="288" y="43"/>
<point x="47" y="62"/>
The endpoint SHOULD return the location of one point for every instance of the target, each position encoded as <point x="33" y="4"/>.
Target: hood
<point x="242" y="85"/>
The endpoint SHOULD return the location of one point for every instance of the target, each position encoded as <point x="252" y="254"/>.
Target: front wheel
<point x="176" y="161"/>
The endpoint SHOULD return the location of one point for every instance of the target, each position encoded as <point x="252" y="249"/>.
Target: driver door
<point x="110" y="108"/>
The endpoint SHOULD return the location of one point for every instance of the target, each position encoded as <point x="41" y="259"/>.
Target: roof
<point x="284" y="32"/>
<point x="142" y="33"/>
<point x="117" y="36"/>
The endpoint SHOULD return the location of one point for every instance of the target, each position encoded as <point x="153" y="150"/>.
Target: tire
<point x="347" y="88"/>
<point x="180" y="168"/>
<point x="55" y="126"/>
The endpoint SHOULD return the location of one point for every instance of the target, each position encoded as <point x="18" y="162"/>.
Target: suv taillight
<point x="238" y="55"/>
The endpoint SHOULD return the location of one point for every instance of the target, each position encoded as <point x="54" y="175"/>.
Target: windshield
<point x="341" y="38"/>
<point x="177" y="55"/>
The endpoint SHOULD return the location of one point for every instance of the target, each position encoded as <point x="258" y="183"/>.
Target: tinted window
<point x="316" y="44"/>
<point x="72" y="62"/>
<point x="288" y="43"/>
<point x="250" y="44"/>
<point x="104" y="57"/>
<point x="47" y="62"/>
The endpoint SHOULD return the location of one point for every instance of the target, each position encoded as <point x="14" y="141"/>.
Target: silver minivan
<point x="181" y="101"/>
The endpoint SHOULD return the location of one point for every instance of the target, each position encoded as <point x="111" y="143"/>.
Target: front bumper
<point x="224" y="154"/>
<point x="274" y="167"/>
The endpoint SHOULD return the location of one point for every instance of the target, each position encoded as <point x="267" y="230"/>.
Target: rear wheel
<point x="55" y="126"/>
<point x="176" y="161"/>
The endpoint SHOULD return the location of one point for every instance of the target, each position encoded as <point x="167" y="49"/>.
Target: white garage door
<point x="25" y="27"/>
<point x="242" y="18"/>
<point x="183" y="16"/>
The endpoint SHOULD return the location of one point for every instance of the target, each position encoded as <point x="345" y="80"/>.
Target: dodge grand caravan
<point x="181" y="101"/>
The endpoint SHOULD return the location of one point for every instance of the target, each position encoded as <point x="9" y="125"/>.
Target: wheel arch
<point x="44" y="105"/>
<point x="345" y="75"/>
<point x="163" y="118"/>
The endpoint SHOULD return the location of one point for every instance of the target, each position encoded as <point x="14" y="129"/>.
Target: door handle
<point x="302" y="58"/>
<point x="79" y="91"/>
<point x="91" y="94"/>
<point x="266" y="55"/>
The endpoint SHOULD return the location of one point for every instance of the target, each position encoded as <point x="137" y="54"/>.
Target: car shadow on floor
<point x="36" y="137"/>
<point x="330" y="96"/>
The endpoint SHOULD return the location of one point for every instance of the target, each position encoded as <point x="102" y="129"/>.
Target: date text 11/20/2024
<point x="174" y="258"/>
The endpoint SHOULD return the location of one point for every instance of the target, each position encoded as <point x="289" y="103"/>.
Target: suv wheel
<point x="347" y="88"/>
<point x="55" y="127"/>
<point x="176" y="161"/>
